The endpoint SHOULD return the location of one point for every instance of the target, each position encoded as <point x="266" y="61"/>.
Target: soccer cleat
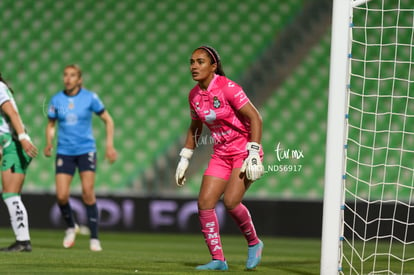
<point x="95" y="245"/>
<point x="214" y="265"/>
<point x="18" y="246"/>
<point x="70" y="236"/>
<point x="254" y="255"/>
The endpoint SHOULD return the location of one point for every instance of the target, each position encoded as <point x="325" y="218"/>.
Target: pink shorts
<point x="221" y="167"/>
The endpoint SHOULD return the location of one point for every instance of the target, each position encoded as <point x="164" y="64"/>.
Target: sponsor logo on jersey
<point x="59" y="162"/>
<point x="71" y="119"/>
<point x="242" y="96"/>
<point x="91" y="159"/>
<point x="52" y="109"/>
<point x="211" y="116"/>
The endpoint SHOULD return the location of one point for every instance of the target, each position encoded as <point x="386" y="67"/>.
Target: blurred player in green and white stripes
<point x="17" y="151"/>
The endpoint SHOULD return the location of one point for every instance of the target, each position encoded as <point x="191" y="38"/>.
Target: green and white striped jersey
<point x="5" y="95"/>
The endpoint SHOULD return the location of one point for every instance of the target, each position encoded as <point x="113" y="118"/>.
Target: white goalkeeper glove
<point x="252" y="165"/>
<point x="182" y="167"/>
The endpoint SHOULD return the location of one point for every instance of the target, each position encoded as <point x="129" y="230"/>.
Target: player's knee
<point x="62" y="199"/>
<point x="89" y="198"/>
<point x="230" y="203"/>
<point x="205" y="203"/>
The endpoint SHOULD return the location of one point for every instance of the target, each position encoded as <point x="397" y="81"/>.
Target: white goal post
<point x="368" y="204"/>
<point x="334" y="157"/>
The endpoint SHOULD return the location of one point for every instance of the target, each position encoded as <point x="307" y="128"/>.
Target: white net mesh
<point x="378" y="235"/>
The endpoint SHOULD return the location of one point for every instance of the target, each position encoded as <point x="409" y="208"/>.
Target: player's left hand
<point x="180" y="171"/>
<point x="111" y="154"/>
<point x="252" y="165"/>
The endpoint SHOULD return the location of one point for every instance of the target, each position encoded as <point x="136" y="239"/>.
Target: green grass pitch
<point x="136" y="253"/>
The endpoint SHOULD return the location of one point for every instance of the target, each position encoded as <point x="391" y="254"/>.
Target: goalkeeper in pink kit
<point x="236" y="127"/>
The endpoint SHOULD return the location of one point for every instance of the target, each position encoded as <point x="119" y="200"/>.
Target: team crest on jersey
<point x="216" y="102"/>
<point x="71" y="105"/>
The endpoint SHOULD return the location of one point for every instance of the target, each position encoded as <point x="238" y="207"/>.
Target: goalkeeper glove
<point x="252" y="165"/>
<point x="182" y="167"/>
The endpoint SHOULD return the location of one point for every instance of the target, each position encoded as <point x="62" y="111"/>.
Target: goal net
<point x="378" y="181"/>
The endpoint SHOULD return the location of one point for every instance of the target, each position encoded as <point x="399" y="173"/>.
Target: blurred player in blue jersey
<point x="16" y="151"/>
<point x="73" y="108"/>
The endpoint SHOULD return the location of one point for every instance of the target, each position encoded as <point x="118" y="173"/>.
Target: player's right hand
<point x="28" y="146"/>
<point x="48" y="150"/>
<point x="182" y="167"/>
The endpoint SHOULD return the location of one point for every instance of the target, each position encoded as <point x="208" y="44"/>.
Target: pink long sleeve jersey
<point x="217" y="108"/>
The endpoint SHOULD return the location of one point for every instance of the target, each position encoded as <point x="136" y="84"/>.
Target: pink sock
<point x="210" y="229"/>
<point x="241" y="216"/>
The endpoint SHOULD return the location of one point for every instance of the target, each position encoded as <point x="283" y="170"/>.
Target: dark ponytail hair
<point x="214" y="58"/>
<point x="4" y="81"/>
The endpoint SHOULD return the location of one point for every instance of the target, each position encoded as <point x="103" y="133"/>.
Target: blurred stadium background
<point x="135" y="54"/>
